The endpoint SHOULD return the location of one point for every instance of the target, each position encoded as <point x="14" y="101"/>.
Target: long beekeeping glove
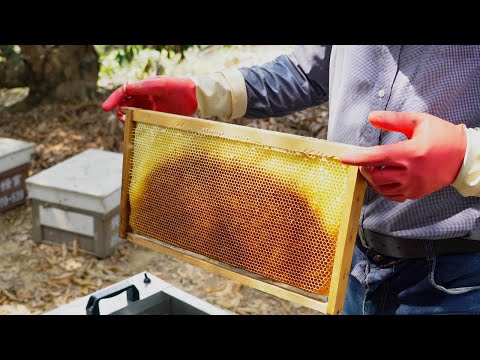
<point x="431" y="159"/>
<point x="221" y="94"/>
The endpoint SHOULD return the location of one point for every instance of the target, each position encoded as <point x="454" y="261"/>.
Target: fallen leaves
<point x="14" y="309"/>
<point x="71" y="264"/>
<point x="9" y="295"/>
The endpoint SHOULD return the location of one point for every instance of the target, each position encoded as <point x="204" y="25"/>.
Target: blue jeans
<point x="447" y="284"/>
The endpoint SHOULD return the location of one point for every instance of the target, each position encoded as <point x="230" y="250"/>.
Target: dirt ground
<point x="35" y="278"/>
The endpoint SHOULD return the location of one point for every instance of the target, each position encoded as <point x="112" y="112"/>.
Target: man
<point x="415" y="110"/>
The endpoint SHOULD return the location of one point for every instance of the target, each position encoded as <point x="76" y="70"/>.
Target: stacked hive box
<point x="78" y="200"/>
<point x="15" y="158"/>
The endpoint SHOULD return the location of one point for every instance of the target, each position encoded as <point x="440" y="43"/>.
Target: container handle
<point x="93" y="303"/>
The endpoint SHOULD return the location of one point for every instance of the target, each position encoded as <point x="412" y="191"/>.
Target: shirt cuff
<point x="238" y="92"/>
<point x="467" y="182"/>
<point x="221" y="94"/>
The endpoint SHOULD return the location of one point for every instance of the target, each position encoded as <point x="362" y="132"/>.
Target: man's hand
<point x="428" y="161"/>
<point x="163" y="93"/>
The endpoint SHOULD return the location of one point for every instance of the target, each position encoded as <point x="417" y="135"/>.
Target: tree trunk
<point x="54" y="73"/>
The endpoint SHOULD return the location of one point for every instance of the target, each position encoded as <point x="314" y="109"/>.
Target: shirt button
<point x="381" y="93"/>
<point x="378" y="258"/>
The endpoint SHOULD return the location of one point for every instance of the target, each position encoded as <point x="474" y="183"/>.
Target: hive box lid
<point x="14" y="153"/>
<point x="89" y="181"/>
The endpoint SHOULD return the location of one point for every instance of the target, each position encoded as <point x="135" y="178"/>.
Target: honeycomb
<point x="271" y="212"/>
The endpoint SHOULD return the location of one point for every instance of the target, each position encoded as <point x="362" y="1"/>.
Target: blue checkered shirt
<point x="441" y="80"/>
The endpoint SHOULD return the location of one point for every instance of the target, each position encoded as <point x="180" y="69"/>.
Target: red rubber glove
<point x="163" y="93"/>
<point x="411" y="169"/>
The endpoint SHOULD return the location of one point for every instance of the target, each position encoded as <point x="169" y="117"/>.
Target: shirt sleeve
<point x="221" y="94"/>
<point x="467" y="182"/>
<point x="289" y="83"/>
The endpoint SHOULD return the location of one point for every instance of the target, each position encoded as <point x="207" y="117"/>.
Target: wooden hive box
<point x="274" y="211"/>
<point x="15" y="161"/>
<point x="79" y="200"/>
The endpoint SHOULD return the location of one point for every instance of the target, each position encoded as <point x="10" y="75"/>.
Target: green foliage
<point x="6" y="50"/>
<point x="120" y="63"/>
<point x="126" y="53"/>
<point x="10" y="52"/>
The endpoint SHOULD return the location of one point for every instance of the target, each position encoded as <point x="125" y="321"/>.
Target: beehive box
<point x="274" y="211"/>
<point x="15" y="160"/>
<point x="78" y="200"/>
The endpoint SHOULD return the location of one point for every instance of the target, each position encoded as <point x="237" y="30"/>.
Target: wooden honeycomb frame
<point x="349" y="223"/>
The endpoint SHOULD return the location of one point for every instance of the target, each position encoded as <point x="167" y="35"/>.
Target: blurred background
<point x="51" y="95"/>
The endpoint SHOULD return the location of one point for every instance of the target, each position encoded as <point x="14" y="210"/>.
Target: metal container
<point x="142" y="294"/>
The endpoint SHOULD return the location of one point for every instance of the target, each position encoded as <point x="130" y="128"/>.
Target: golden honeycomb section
<point x="271" y="212"/>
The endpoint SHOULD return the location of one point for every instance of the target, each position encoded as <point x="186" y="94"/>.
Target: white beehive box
<point x="15" y="160"/>
<point x="78" y="199"/>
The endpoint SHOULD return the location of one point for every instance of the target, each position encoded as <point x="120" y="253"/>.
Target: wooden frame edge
<point x="347" y="236"/>
<point x="290" y="142"/>
<point x="230" y="274"/>
<point x="124" y="226"/>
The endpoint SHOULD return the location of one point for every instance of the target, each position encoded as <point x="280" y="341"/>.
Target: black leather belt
<point x="414" y="248"/>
